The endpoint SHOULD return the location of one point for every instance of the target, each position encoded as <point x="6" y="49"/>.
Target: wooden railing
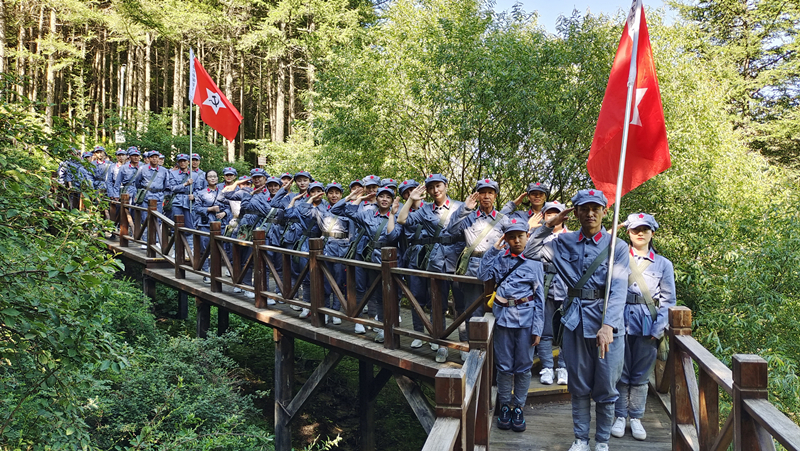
<point x="464" y="396"/>
<point x="261" y="259"/>
<point x="753" y="424"/>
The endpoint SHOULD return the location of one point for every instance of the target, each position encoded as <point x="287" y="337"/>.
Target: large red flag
<point x="647" y="149"/>
<point x="215" y="109"/>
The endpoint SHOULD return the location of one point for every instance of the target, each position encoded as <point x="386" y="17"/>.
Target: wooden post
<point x="197" y="251"/>
<point x="479" y="338"/>
<point x="437" y="313"/>
<point x="366" y="406"/>
<point x="352" y="295"/>
<point x="183" y="305"/>
<point x="284" y="382"/>
<point x="749" y="382"/>
<point x="315" y="246"/>
<point x="223" y="320"/>
<point x="259" y="268"/>
<point x="203" y="317"/>
<point x="391" y="303"/>
<point x="179" y="248"/>
<point x="152" y="206"/>
<point x="708" y="403"/>
<point x="149" y="287"/>
<point x="124" y="227"/>
<point x="164" y="234"/>
<point x="286" y="274"/>
<point x="215" y="268"/>
<point x="680" y="320"/>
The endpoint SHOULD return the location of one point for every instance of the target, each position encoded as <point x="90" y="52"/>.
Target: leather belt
<point x="336" y="235"/>
<point x="586" y="293"/>
<point x="513" y="302"/>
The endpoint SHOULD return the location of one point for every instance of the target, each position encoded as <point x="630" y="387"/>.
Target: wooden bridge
<point x="683" y="410"/>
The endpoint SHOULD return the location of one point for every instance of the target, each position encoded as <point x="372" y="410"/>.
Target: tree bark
<point x="51" y="76"/>
<point x="229" y="94"/>
<point x="177" y="100"/>
<point x="280" y="103"/>
<point x="242" y="109"/>
<point x="20" y="55"/>
<point x="140" y="87"/>
<point x="291" y="98"/>
<point x="34" y="65"/>
<point x="130" y="85"/>
<point x="2" y="36"/>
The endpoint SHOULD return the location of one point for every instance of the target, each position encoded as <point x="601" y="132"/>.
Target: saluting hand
<point x="367" y="197"/>
<point x="501" y="243"/>
<point x="560" y="218"/>
<point x="287" y="184"/>
<point x="354" y="193"/>
<point x="521" y="198"/>
<point x="471" y="201"/>
<point x="395" y="205"/>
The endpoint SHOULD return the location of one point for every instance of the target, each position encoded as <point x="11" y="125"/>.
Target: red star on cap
<point x="555" y="202"/>
<point x="405" y="183"/>
<point x="371" y="176"/>
<point x="641" y="216"/>
<point x="487" y="180"/>
<point x="513" y="221"/>
<point x="430" y="176"/>
<point x="537" y="183"/>
<point x="591" y="192"/>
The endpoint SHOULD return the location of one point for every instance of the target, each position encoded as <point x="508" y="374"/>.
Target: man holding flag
<point x="593" y="330"/>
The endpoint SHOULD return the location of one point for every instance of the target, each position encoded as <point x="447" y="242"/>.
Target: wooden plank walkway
<point x="550" y="429"/>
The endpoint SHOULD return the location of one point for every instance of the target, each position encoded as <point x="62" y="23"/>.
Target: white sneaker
<point x="441" y="355"/>
<point x="637" y="430"/>
<point x="144" y="246"/>
<point x="434" y="347"/>
<point x="464" y="355"/>
<point x="601" y="447"/>
<point x="249" y="295"/>
<point x="206" y="280"/>
<point x="295" y="308"/>
<point x="562" y="376"/>
<point x="618" y="428"/>
<point x="579" y="445"/>
<point x="365" y="310"/>
<point x="227" y="273"/>
<point x="546" y="376"/>
<point x="327" y="318"/>
<point x="360" y="329"/>
<point x="379" y="336"/>
<point x="304" y="313"/>
<point x="270" y="301"/>
<point x="417" y="343"/>
<point x="399" y="319"/>
<point x="237" y="290"/>
<point x="336" y="320"/>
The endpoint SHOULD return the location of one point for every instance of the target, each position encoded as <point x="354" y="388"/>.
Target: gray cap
<point x="588" y="196"/>
<point x="641" y="219"/>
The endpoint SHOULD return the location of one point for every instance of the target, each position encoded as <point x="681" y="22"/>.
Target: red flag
<point x="647" y="149"/>
<point x="215" y="109"/>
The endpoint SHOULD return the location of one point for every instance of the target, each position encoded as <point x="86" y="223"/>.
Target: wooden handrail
<point x="753" y="423"/>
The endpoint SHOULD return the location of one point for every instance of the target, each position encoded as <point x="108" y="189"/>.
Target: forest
<point x="341" y="88"/>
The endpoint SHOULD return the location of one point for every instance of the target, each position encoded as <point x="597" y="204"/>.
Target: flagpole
<point x="622" y="153"/>
<point x="191" y="130"/>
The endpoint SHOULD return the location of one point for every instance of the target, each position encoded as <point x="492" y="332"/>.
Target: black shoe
<point x="504" y="420"/>
<point x="517" y="420"/>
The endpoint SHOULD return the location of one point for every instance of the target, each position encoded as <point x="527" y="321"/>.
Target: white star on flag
<point x="214" y="101"/>
<point x="635" y="120"/>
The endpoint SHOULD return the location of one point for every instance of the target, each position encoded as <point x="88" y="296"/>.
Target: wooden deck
<point x="550" y="429"/>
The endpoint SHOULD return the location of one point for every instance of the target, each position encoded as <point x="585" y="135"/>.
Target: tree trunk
<point x="177" y="101"/>
<point x="291" y="99"/>
<point x="34" y="62"/>
<point x="2" y="36"/>
<point x="51" y="76"/>
<point x="21" y="58"/>
<point x="311" y="77"/>
<point x="259" y="119"/>
<point x="141" y="87"/>
<point x="229" y="94"/>
<point x="241" y="104"/>
<point x="280" y="103"/>
<point x="130" y="85"/>
<point x="271" y="103"/>
<point x="147" y="77"/>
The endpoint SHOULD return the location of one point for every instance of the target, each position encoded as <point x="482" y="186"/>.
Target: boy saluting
<point x="519" y="312"/>
<point x="581" y="259"/>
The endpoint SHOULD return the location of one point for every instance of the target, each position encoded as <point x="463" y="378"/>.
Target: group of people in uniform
<point x="550" y="281"/>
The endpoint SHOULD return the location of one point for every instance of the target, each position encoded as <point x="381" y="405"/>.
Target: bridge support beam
<point x="183" y="305"/>
<point x="203" y="317"/>
<point x="284" y="380"/>
<point x="416" y="399"/>
<point x="223" y="320"/>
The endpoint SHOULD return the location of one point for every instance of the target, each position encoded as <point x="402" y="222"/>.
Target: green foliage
<point x="758" y="41"/>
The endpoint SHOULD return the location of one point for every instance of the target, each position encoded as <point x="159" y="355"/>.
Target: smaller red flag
<point x="647" y="150"/>
<point x="215" y="109"/>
